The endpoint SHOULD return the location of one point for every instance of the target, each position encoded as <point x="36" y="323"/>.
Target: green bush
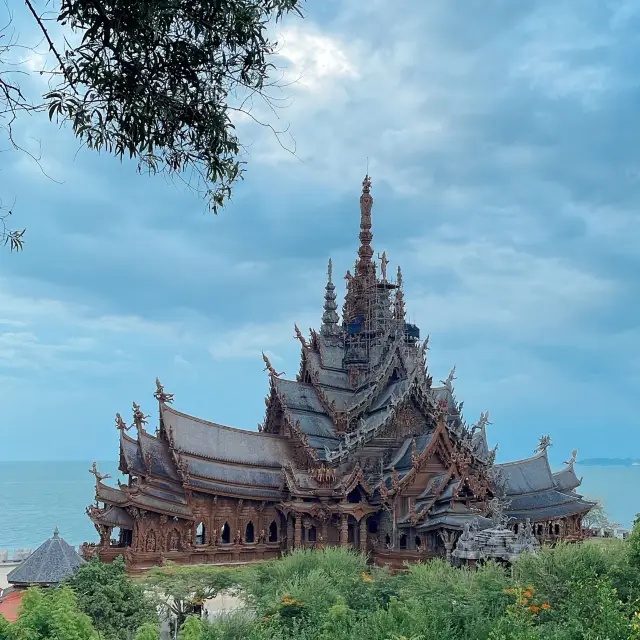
<point x="587" y="591"/>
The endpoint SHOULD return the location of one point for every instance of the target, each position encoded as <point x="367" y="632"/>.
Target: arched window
<point x="556" y="528"/>
<point x="249" y="534"/>
<point x="418" y="542"/>
<point x="225" y="534"/>
<point x="387" y="539"/>
<point x="539" y="529"/>
<point x="200" y="533"/>
<point x="355" y="495"/>
<point x="403" y="541"/>
<point x="273" y="532"/>
<point x="373" y="526"/>
<point x="312" y="534"/>
<point x="516" y="528"/>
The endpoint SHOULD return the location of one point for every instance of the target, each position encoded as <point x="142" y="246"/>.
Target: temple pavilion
<point x="361" y="449"/>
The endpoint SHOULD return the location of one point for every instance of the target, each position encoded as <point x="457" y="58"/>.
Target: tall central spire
<point x="365" y="266"/>
<point x="360" y="286"/>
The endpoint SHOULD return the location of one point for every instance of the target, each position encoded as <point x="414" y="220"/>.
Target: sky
<point x="502" y="139"/>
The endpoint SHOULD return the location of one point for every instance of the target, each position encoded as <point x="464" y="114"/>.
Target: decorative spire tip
<point x="366" y="184"/>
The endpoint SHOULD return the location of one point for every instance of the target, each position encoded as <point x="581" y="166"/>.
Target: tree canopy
<point x="116" y="605"/>
<point x="177" y="590"/>
<point x="158" y="81"/>
<point x="50" y="613"/>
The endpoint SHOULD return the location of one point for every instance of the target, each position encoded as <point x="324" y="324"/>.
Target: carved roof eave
<point x="354" y="479"/>
<point x="439" y="441"/>
<point x="123" y="459"/>
<point x="292" y="486"/>
<point x="384" y="373"/>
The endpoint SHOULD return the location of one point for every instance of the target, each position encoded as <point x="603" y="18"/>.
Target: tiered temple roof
<point x="362" y="424"/>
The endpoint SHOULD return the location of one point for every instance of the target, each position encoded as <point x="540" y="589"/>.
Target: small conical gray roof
<point x="52" y="562"/>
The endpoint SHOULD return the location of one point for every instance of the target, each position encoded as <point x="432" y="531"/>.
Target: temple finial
<point x="399" y="310"/>
<point x="56" y="533"/>
<point x="330" y="316"/>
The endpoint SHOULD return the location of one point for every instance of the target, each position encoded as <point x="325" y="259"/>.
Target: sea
<point x="37" y="497"/>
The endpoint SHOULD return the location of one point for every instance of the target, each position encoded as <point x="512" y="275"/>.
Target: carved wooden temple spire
<point x="399" y="310"/>
<point x="360" y="286"/>
<point x="359" y="450"/>
<point x="330" y="316"/>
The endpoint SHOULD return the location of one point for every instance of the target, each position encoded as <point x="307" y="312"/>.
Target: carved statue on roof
<point x="299" y="335"/>
<point x="348" y="277"/>
<point x="269" y="367"/>
<point x="161" y="395"/>
<point x="483" y="421"/>
<point x="139" y="418"/>
<point x="497" y="507"/>
<point x="121" y="424"/>
<point x="366" y="184"/>
<point x="99" y="477"/>
<point x="544" y="444"/>
<point x="384" y="261"/>
<point x="571" y="461"/>
<point x="448" y="383"/>
<point x="399" y="280"/>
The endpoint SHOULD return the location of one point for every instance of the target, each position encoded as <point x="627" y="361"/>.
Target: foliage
<point x="597" y="518"/>
<point x="177" y="590"/>
<point x="51" y="613"/>
<point x="4" y="628"/>
<point x="159" y="81"/>
<point x="191" y="629"/>
<point x="570" y="592"/>
<point x="117" y="605"/>
<point x="634" y="543"/>
<point x="148" y="631"/>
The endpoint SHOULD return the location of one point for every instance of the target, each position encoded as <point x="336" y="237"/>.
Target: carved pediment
<point x="408" y="421"/>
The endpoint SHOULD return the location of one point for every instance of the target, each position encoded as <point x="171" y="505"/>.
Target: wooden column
<point x="363" y="534"/>
<point x="325" y="532"/>
<point x="344" y="530"/>
<point x="290" y="532"/>
<point x="298" y="532"/>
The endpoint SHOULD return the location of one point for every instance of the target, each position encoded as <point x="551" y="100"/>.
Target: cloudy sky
<point x="503" y="142"/>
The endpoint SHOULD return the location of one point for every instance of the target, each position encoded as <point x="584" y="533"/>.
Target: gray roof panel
<point x="234" y="474"/>
<point x="314" y="424"/>
<point x="233" y="490"/>
<point x="553" y="512"/>
<point x="52" y="562"/>
<point x="115" y="517"/>
<point x="217" y="442"/>
<point x="158" y="451"/>
<point x="130" y="450"/>
<point x="539" y="500"/>
<point x="299" y="396"/>
<point x="566" y="479"/>
<point x="527" y="476"/>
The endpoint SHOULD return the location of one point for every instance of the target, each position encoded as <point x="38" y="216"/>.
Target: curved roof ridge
<point x="217" y="425"/>
<point x="540" y="454"/>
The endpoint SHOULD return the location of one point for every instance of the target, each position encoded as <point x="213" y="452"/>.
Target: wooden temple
<point x="360" y="450"/>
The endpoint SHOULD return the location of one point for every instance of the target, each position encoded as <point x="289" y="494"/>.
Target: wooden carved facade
<point x="360" y="450"/>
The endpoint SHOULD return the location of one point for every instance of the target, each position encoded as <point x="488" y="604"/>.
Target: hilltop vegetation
<point x="573" y="592"/>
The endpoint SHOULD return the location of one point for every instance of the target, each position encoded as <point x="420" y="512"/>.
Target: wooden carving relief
<point x="408" y="421"/>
